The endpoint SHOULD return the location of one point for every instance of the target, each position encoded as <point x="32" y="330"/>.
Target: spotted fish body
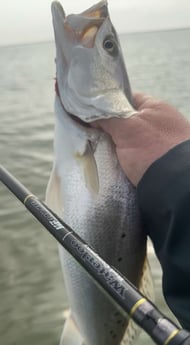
<point x="87" y="187"/>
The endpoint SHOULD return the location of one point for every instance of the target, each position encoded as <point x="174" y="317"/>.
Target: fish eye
<point x="110" y="46"/>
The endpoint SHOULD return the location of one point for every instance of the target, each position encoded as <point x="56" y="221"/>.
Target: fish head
<point x="90" y="70"/>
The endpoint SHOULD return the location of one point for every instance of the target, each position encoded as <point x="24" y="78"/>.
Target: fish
<point x="87" y="187"/>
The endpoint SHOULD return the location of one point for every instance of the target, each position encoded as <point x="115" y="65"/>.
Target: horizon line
<point x="120" y="34"/>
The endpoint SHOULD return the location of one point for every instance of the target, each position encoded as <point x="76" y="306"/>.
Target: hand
<point x="146" y="136"/>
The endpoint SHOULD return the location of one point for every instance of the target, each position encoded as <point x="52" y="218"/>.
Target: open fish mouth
<point x="80" y="27"/>
<point x="75" y="29"/>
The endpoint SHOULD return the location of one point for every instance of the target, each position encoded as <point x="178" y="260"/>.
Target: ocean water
<point x="32" y="293"/>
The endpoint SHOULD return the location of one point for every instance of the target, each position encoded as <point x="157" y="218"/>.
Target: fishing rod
<point x="162" y="330"/>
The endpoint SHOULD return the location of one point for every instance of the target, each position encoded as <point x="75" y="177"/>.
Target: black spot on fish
<point x="113" y="334"/>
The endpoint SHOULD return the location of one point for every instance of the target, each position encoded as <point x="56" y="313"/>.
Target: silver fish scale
<point x="110" y="224"/>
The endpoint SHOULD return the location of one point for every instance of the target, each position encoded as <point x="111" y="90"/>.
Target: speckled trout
<point x="87" y="187"/>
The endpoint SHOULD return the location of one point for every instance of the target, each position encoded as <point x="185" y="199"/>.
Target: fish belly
<point x="109" y="222"/>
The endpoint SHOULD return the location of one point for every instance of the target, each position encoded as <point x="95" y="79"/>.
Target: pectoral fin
<point x="88" y="162"/>
<point x="53" y="193"/>
<point x="70" y="334"/>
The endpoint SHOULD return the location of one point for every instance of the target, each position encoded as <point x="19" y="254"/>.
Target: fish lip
<point x="98" y="10"/>
<point x="57" y="10"/>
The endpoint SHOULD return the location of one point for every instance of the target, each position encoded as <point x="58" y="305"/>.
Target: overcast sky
<point x="23" y="21"/>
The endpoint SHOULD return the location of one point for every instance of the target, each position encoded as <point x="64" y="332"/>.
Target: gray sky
<point x="23" y="21"/>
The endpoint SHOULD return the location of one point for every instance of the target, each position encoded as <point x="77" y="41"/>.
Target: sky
<point x="25" y="21"/>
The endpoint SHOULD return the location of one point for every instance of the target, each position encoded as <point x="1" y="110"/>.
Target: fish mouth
<point x="81" y="27"/>
<point x="98" y="10"/>
<point x="72" y="30"/>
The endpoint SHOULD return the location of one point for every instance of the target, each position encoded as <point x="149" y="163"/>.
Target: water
<point x="32" y="294"/>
